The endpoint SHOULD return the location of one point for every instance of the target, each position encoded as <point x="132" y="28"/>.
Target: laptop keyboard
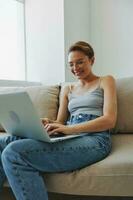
<point x="57" y="135"/>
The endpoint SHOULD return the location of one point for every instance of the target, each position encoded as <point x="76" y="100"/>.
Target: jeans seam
<point x="20" y="181"/>
<point x="81" y="148"/>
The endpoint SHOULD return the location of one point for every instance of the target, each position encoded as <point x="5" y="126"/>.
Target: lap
<point x="59" y="156"/>
<point x="24" y="144"/>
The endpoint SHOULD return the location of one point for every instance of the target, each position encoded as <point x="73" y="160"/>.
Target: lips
<point x="77" y="72"/>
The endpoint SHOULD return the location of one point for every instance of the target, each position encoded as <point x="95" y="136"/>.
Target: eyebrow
<point x="77" y="60"/>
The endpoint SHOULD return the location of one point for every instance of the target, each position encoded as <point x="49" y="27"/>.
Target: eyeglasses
<point x="79" y="63"/>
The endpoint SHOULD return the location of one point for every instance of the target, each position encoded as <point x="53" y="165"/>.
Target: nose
<point x="75" y="66"/>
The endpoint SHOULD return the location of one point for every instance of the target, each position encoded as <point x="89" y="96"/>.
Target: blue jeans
<point x="23" y="160"/>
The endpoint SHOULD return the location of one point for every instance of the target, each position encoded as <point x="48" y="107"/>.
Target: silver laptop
<point x="19" y="117"/>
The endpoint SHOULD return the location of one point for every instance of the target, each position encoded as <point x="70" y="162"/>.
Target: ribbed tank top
<point x="91" y="102"/>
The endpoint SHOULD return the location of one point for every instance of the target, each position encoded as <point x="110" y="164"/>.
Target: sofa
<point x="113" y="176"/>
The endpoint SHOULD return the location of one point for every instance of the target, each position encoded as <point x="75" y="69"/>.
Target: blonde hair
<point x="84" y="47"/>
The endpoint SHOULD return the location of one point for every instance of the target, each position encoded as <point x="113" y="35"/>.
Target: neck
<point x="88" y="79"/>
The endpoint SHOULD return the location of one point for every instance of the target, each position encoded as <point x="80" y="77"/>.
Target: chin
<point x="79" y="77"/>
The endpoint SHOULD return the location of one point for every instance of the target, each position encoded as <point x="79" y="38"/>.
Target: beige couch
<point x="112" y="176"/>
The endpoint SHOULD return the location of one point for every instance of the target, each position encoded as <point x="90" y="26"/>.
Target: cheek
<point x="87" y="68"/>
<point x="71" y="69"/>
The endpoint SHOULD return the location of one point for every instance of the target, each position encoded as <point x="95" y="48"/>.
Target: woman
<point x="88" y="106"/>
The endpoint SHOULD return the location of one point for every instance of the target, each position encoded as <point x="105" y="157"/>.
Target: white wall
<point x="76" y="26"/>
<point x="52" y="27"/>
<point x="45" y="40"/>
<point x="112" y="36"/>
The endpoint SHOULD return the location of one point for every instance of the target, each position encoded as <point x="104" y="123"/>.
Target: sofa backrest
<point x="124" y="122"/>
<point x="46" y="101"/>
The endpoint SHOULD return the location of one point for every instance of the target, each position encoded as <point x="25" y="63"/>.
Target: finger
<point x="45" y="121"/>
<point x="49" y="127"/>
<point x="53" y="132"/>
<point x="46" y="126"/>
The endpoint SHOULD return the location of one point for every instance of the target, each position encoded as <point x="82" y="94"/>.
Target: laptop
<point x="19" y="117"/>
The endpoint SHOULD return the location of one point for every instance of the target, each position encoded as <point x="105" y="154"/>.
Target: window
<point x="12" y="40"/>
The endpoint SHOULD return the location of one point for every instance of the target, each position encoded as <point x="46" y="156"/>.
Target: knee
<point x="9" y="153"/>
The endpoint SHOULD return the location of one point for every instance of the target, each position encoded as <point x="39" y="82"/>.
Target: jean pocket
<point x="92" y="116"/>
<point x="76" y="119"/>
<point x="81" y="117"/>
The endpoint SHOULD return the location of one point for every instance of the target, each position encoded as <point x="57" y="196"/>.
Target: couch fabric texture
<point x="112" y="176"/>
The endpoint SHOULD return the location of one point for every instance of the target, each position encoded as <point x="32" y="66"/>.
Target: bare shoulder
<point x="108" y="81"/>
<point x="66" y="89"/>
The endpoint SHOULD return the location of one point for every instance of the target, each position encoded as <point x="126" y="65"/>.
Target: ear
<point x="92" y="60"/>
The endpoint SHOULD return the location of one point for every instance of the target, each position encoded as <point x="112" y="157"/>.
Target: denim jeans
<point x="23" y="160"/>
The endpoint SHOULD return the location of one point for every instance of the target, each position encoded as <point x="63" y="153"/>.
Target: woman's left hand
<point x="55" y="128"/>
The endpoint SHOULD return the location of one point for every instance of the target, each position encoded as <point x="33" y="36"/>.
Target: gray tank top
<point x="91" y="102"/>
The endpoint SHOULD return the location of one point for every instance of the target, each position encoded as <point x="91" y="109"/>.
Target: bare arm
<point x="63" y="112"/>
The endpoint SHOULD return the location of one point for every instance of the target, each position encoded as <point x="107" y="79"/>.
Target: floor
<point x="6" y="193"/>
<point x="70" y="197"/>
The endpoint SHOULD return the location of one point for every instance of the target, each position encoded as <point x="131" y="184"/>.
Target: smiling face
<point x="80" y="64"/>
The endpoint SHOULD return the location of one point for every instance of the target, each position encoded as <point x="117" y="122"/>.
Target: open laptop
<point x="19" y="117"/>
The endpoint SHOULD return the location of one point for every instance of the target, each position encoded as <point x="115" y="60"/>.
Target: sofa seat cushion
<point x="112" y="176"/>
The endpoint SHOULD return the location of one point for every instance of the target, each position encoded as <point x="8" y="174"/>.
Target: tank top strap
<point x="70" y="88"/>
<point x="99" y="83"/>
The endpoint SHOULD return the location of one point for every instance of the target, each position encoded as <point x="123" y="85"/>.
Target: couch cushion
<point x="112" y="176"/>
<point x="125" y="105"/>
<point x="45" y="98"/>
